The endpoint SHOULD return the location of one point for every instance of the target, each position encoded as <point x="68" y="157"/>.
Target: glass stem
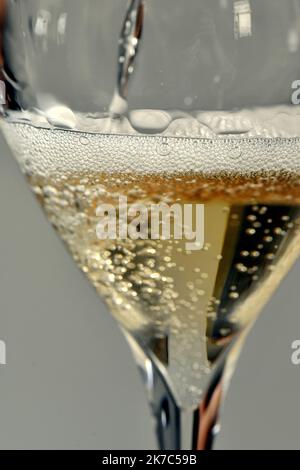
<point x="188" y="429"/>
<point x="176" y="429"/>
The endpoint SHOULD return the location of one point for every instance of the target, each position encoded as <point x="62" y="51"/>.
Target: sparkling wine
<point x="183" y="307"/>
<point x="185" y="108"/>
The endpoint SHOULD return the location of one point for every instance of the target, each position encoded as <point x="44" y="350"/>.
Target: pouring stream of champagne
<point x="129" y="42"/>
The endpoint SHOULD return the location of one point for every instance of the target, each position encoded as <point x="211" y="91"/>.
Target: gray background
<point x="70" y="381"/>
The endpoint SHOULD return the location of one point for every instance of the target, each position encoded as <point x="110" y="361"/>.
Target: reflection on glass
<point x="242" y="19"/>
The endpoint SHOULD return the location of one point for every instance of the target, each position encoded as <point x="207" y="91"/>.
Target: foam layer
<point x="49" y="151"/>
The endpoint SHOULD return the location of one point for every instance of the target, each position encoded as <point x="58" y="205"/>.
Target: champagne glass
<point x="114" y="110"/>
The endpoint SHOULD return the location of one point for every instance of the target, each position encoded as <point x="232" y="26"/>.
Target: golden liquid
<point x="182" y="306"/>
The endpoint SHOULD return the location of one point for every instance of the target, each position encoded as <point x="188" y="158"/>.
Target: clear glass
<point x="169" y="102"/>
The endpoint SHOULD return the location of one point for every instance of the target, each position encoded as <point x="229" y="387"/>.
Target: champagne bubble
<point x="234" y="295"/>
<point x="84" y="140"/>
<point x="163" y="148"/>
<point x="241" y="268"/>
